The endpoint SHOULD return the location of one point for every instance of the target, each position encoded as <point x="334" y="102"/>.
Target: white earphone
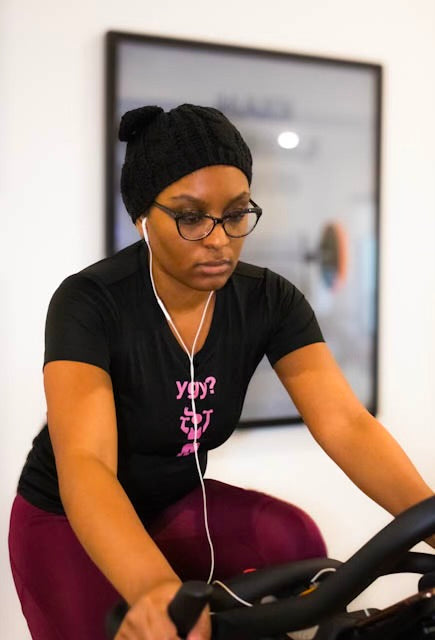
<point x="190" y="355"/>
<point x="160" y="302"/>
<point x="145" y="232"/>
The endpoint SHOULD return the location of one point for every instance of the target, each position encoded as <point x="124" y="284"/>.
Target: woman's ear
<point x="144" y="229"/>
<point x="139" y="226"/>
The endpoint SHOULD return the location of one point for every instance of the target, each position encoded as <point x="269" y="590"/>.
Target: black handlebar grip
<point x="114" y="619"/>
<point x="185" y="608"/>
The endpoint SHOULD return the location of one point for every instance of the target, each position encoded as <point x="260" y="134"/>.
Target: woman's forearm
<point x="109" y="529"/>
<point x="376" y="463"/>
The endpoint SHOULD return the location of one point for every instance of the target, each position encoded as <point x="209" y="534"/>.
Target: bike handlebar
<point x="374" y="559"/>
<point x="377" y="557"/>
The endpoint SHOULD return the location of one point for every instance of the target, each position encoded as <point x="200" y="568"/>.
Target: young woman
<point x="148" y="357"/>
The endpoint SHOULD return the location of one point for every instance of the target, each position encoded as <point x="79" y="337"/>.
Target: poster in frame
<point x="314" y="128"/>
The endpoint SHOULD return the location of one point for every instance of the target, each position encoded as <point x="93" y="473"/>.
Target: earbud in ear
<point x="144" y="229"/>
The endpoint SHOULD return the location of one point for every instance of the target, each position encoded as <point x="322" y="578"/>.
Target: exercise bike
<point x="307" y="600"/>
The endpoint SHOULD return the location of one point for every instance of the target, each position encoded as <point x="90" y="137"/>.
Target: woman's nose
<point x="217" y="237"/>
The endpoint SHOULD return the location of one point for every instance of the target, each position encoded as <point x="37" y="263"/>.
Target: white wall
<point x="51" y="195"/>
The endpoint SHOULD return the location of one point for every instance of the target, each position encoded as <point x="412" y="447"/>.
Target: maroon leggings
<point x="65" y="597"/>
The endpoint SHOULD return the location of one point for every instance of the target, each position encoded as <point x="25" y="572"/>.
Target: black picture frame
<point x="115" y="41"/>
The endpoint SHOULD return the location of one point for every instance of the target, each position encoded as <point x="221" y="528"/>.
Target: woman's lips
<point x="214" y="267"/>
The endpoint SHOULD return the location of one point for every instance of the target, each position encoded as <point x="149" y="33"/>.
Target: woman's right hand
<point x="148" y="618"/>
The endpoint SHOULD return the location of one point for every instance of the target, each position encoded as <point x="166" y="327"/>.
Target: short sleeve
<point x="294" y="322"/>
<point x="80" y="323"/>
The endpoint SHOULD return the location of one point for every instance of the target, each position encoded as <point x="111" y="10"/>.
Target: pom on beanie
<point x="163" y="147"/>
<point x="133" y="121"/>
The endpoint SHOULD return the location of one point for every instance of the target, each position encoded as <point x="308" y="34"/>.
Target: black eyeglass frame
<point x="179" y="216"/>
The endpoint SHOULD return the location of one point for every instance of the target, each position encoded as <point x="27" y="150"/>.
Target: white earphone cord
<point x="190" y="355"/>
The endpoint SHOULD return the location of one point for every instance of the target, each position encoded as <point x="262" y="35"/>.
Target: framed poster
<point x="314" y="128"/>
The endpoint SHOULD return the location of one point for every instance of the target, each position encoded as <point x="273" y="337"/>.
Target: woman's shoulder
<point x="249" y="271"/>
<point x="100" y="282"/>
<point x="115" y="268"/>
<point x="255" y="276"/>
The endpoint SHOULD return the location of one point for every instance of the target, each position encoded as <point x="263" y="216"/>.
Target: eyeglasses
<point x="197" y="225"/>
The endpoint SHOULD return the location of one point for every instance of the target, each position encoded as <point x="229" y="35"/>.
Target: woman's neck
<point x="178" y="298"/>
<point x="190" y="312"/>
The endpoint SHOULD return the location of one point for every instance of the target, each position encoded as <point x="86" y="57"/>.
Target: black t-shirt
<point x="107" y="315"/>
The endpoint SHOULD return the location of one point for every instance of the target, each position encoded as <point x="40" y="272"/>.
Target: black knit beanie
<point x="164" y="147"/>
